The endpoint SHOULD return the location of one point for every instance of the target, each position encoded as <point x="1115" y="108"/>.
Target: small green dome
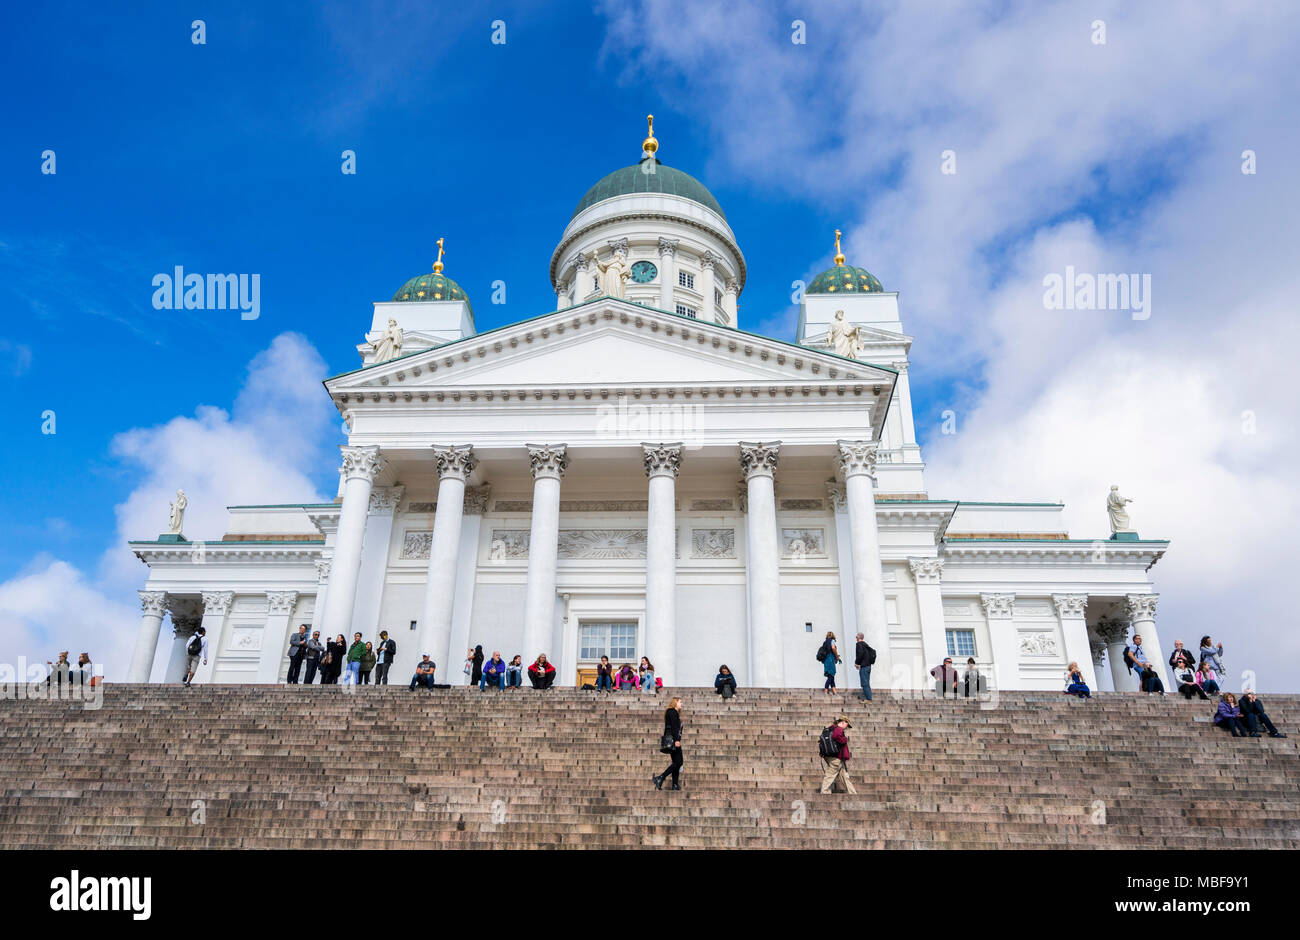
<point x="431" y="287"/>
<point x="659" y="178"/>
<point x="844" y="278"/>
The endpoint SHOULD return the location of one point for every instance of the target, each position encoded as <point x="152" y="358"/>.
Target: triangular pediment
<point x="610" y="343"/>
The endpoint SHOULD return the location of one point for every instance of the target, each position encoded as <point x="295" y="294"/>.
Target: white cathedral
<point x="633" y="474"/>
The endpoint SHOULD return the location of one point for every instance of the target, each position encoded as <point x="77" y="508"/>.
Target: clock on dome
<point x="643" y="272"/>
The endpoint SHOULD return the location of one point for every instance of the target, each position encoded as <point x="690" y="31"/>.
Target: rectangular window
<point x="685" y="311"/>
<point x="961" y="643"/>
<point x="615" y="640"/>
<point x="686" y="280"/>
<point x="717" y="297"/>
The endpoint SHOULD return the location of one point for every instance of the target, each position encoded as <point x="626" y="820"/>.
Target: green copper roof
<point x="844" y="278"/>
<point x="431" y="287"/>
<point x="650" y="176"/>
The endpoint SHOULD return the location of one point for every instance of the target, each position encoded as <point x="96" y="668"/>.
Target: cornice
<point x="217" y="553"/>
<point x="1051" y="552"/>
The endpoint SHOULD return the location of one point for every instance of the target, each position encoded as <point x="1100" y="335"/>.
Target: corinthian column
<point x="1070" y="609"/>
<point x="707" y="287"/>
<point x="667" y="274"/>
<point x="360" y="467"/>
<point x="1114" y="634"/>
<point x="454" y="467"/>
<point x="548" y="462"/>
<point x="1141" y="610"/>
<point x="857" y="464"/>
<point x="766" y="653"/>
<point x="581" y="279"/>
<point x="662" y="463"/>
<point x="152" y="606"/>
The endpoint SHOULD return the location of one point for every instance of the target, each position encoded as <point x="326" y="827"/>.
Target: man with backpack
<point x="1135" y="657"/>
<point x="195" y="649"/>
<point x="833" y="745"/>
<point x="864" y="659"/>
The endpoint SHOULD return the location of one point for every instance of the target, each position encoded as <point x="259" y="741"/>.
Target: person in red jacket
<point x="541" y="673"/>
<point x="837" y="767"/>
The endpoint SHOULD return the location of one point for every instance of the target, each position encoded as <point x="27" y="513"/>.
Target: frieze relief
<point x="1038" y="644"/>
<point x="713" y="543"/>
<point x="803" y="543"/>
<point x="416" y="543"/>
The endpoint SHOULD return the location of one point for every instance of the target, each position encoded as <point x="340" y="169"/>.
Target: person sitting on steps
<point x="1228" y="717"/>
<point x="1074" y="684"/>
<point x="541" y="673"/>
<point x="1252" y="710"/>
<point x="424" y="671"/>
<point x="724" y="683"/>
<point x="626" y="678"/>
<point x="494" y="672"/>
<point x="647" y="676"/>
<point x="1187" y="685"/>
<point x="515" y="673"/>
<point x="1206" y="678"/>
<point x="604" y="675"/>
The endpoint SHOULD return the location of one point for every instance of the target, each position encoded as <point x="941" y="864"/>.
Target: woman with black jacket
<point x="476" y="671"/>
<point x="673" y="729"/>
<point x="337" y="650"/>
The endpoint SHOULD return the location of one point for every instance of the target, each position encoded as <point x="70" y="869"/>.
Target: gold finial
<point x="437" y="265"/>
<point x="839" y="255"/>
<point x="650" y="145"/>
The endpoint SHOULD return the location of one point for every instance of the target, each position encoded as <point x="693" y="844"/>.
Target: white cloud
<point x="264" y="450"/>
<point x="1117" y="158"/>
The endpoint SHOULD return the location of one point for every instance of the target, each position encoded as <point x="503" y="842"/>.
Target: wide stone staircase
<point x="160" y="766"/>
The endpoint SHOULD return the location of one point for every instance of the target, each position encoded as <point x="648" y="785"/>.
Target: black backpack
<point x="871" y="656"/>
<point x="824" y="651"/>
<point x="195" y="646"/>
<point x="826" y="745"/>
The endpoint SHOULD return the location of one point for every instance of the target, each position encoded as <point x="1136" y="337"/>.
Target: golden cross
<point x="437" y="265"/>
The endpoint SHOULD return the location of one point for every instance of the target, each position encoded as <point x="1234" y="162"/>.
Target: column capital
<point x="153" y="602"/>
<point x="1112" y="632"/>
<point x="998" y="606"/>
<point x="668" y="247"/>
<point x="758" y="459"/>
<point x="662" y="460"/>
<point x="217" y="602"/>
<point x="899" y="366"/>
<point x="618" y="245"/>
<point x="707" y="261"/>
<point x="857" y="458"/>
<point x="733" y="286"/>
<point x="548" y="461"/>
<point x="184" y="626"/>
<point x="361" y="462"/>
<point x="385" y="499"/>
<point x="1141" y="606"/>
<point x="280" y="603"/>
<point x="456" y="461"/>
<point x="581" y="262"/>
<point x="476" y="500"/>
<point x="926" y="570"/>
<point x="1097" y="647"/>
<point x="1070" y="605"/>
<point x="838" y="498"/>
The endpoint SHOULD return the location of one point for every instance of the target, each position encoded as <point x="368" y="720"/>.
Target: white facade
<point x="617" y="476"/>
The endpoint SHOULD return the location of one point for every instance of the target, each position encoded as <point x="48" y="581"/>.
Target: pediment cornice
<point x="763" y="364"/>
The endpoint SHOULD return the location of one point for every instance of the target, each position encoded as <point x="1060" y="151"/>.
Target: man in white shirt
<point x="195" y="649"/>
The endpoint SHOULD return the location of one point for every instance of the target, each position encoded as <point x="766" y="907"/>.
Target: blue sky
<point x="1122" y="156"/>
<point x="225" y="157"/>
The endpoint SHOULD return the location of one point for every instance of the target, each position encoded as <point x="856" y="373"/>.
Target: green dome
<point x="664" y="179"/>
<point x="844" y="278"/>
<point x="431" y="287"/>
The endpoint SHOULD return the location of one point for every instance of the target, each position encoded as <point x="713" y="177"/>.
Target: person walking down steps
<point x="671" y="744"/>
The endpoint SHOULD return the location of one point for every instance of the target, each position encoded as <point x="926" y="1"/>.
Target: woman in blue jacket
<point x="1228" y="716"/>
<point x="724" y="683"/>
